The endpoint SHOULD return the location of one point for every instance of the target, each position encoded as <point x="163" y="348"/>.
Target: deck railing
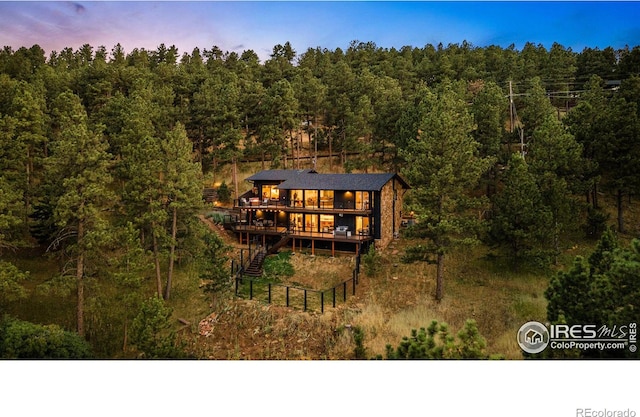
<point x="290" y="205"/>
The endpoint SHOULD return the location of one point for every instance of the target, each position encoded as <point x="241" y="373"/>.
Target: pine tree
<point x="555" y="158"/>
<point x="443" y="166"/>
<point x="520" y="221"/>
<point x="601" y="290"/>
<point x="182" y="187"/>
<point x="81" y="164"/>
<point x="436" y="342"/>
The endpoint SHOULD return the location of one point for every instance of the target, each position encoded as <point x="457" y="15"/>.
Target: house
<point x="314" y="210"/>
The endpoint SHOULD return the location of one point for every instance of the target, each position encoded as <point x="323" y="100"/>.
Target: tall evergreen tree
<point x="80" y="163"/>
<point x="182" y="185"/>
<point x="556" y="161"/>
<point x="444" y="167"/>
<point x="520" y="221"/>
<point x="489" y="110"/>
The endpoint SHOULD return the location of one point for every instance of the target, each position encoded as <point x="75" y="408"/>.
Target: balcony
<point x="268" y="227"/>
<point x="298" y="206"/>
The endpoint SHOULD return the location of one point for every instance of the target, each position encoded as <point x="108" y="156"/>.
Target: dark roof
<point x="341" y="182"/>
<point x="278" y="174"/>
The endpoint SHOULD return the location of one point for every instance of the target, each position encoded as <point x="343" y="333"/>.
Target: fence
<point x="306" y="299"/>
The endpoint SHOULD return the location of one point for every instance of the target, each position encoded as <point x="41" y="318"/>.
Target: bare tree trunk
<point x="201" y="149"/>
<point x="620" y="217"/>
<point x="293" y="147"/>
<point x="27" y="194"/>
<point x="330" y="152"/>
<point x="80" y="281"/>
<point x="556" y="242"/>
<point x="315" y="137"/>
<point x="156" y="258"/>
<point x="298" y="140"/>
<point x="235" y="175"/>
<point x="126" y="334"/>
<point x="440" y="277"/>
<point x="172" y="253"/>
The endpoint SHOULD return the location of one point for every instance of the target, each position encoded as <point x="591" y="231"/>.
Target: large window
<point x="326" y="198"/>
<point x="311" y="223"/>
<point x="296" y="198"/>
<point x="363" y="226"/>
<point x="311" y="198"/>
<point x="326" y="223"/>
<point x="362" y="200"/>
<point x="270" y="192"/>
<point x="296" y="221"/>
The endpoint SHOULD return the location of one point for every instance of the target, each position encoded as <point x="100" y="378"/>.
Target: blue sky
<point x="237" y="26"/>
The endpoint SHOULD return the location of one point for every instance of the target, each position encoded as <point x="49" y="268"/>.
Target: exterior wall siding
<point x="386" y="215"/>
<point x="390" y="213"/>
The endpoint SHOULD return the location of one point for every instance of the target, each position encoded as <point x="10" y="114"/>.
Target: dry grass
<point x="401" y="298"/>
<point x="320" y="272"/>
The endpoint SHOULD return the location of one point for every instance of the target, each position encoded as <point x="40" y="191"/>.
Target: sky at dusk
<point x="241" y="25"/>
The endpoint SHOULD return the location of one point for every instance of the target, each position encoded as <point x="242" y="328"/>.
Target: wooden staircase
<point x="283" y="241"/>
<point x="255" y="266"/>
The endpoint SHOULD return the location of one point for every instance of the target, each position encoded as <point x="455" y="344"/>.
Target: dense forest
<point x="103" y="156"/>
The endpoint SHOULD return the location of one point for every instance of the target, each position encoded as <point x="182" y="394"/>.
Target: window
<point x="274" y="192"/>
<point x="326" y="223"/>
<point x="363" y="226"/>
<point x="296" y="221"/>
<point x="326" y="198"/>
<point x="311" y="223"/>
<point x="270" y="192"/>
<point x="296" y="198"/>
<point x="311" y="198"/>
<point x="361" y="197"/>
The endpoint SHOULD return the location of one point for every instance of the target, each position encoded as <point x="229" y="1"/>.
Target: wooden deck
<point x="273" y="205"/>
<point x="275" y="231"/>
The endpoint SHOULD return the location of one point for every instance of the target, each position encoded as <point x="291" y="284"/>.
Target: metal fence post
<point x="250" y="289"/>
<point x="344" y="291"/>
<point x="305" y="300"/>
<point x="287" y="296"/>
<point x="322" y="301"/>
<point x="269" y="293"/>
<point x="334" y="297"/>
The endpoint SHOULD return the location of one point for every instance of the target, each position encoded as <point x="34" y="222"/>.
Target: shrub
<point x="360" y="352"/>
<point x="24" y="340"/>
<point x="278" y="266"/>
<point x="436" y="342"/>
<point x="371" y="262"/>
<point x="596" y="223"/>
<point x="224" y="193"/>
<point x="150" y="331"/>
